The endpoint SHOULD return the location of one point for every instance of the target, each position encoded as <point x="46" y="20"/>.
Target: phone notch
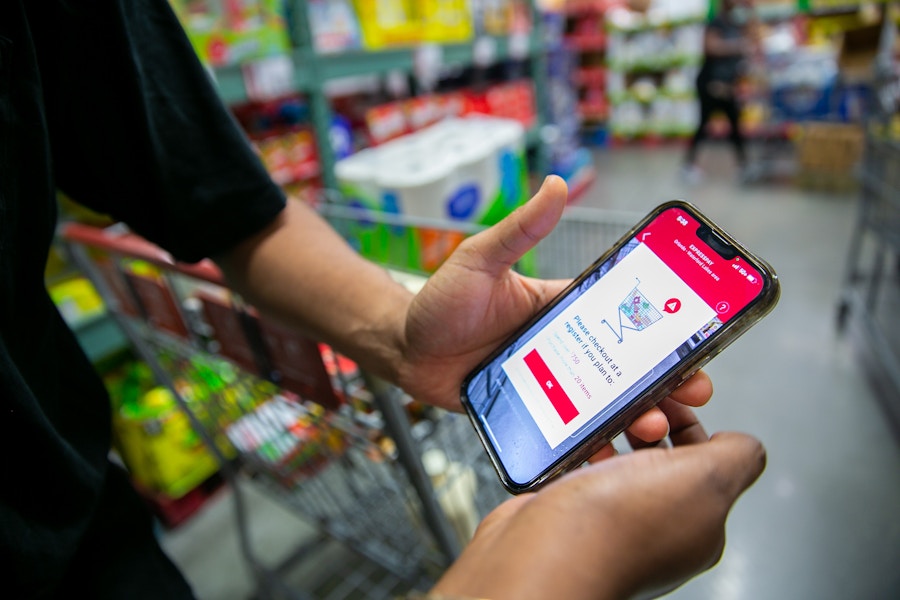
<point x="715" y="241"/>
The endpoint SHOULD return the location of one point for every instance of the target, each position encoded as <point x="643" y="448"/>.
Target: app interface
<point x="628" y="323"/>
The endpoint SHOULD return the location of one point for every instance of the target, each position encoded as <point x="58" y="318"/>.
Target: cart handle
<point x="133" y="246"/>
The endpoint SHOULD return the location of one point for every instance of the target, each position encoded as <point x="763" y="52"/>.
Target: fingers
<point x="696" y="391"/>
<point x="684" y="427"/>
<point x="607" y="451"/>
<point x="505" y="243"/>
<point x="648" y="428"/>
<point x="655" y="424"/>
<point x="667" y="418"/>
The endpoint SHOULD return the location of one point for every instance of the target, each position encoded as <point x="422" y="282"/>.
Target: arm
<point x="301" y="272"/>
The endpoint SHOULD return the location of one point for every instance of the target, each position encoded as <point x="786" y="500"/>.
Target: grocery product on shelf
<point x="460" y="169"/>
<point x="386" y="23"/>
<point x="468" y="170"/>
<point x="567" y="98"/>
<point x="333" y="26"/>
<point x="444" y="21"/>
<point x="290" y="156"/>
<point x="280" y="133"/>
<point x="77" y="300"/>
<point x="652" y="62"/>
<point x="404" y="22"/>
<point x="335" y="41"/>
<point x="231" y="32"/>
<point x="154" y="437"/>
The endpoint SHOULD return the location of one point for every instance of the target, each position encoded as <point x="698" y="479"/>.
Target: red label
<point x="725" y="285"/>
<point x="557" y="396"/>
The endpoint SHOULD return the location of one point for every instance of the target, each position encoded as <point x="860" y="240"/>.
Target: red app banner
<point x="726" y="285"/>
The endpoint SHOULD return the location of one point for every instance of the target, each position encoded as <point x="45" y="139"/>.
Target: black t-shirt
<point x="725" y="69"/>
<point x="105" y="100"/>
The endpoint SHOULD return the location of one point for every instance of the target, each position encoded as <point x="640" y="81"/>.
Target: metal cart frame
<point x="871" y="292"/>
<point x="430" y="506"/>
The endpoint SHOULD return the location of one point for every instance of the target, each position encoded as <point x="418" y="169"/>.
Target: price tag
<point x="484" y="51"/>
<point x="519" y="46"/>
<point x="268" y="78"/>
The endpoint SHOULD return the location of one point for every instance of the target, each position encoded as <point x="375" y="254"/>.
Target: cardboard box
<point x="828" y="154"/>
<point x="857" y="51"/>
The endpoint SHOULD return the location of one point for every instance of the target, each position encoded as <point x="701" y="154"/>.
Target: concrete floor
<point x="822" y="523"/>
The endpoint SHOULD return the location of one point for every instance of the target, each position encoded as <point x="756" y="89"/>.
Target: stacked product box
<point x="468" y="170"/>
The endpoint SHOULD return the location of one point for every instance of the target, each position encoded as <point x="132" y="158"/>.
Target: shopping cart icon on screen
<point x="638" y="312"/>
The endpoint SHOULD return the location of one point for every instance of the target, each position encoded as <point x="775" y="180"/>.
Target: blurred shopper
<point x="107" y="102"/>
<point x="727" y="43"/>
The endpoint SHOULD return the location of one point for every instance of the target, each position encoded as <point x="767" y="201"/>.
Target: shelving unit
<point x="652" y="67"/>
<point x="308" y="71"/>
<point x="586" y="38"/>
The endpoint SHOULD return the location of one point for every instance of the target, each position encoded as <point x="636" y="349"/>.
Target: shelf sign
<point x="268" y="78"/>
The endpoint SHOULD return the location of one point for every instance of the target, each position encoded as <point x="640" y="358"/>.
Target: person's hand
<point x="474" y="301"/>
<point x="639" y="523"/>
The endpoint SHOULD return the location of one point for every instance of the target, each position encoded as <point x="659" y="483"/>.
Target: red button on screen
<point x="557" y="396"/>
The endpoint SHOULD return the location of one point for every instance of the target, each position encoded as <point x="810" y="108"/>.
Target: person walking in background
<point x="726" y="44"/>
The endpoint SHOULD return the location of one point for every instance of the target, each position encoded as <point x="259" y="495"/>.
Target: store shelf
<point x="311" y="68"/>
<point x="776" y="12"/>
<point x="826" y="9"/>
<point x="620" y="97"/>
<point x="586" y="43"/>
<point x="655" y="64"/>
<point x="645" y="25"/>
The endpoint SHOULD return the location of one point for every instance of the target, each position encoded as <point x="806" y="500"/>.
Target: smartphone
<point x="650" y="312"/>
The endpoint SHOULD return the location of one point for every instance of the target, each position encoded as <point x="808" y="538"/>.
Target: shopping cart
<point x="419" y="245"/>
<point x="399" y="485"/>
<point x="637" y="310"/>
<point x="290" y="415"/>
<point x="871" y="294"/>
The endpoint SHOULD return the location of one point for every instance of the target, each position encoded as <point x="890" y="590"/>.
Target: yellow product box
<point x="159" y="446"/>
<point x="444" y="21"/>
<point x="77" y="300"/>
<point x="386" y="23"/>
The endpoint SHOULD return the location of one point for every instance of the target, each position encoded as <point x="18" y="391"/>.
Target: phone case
<point x="692" y="363"/>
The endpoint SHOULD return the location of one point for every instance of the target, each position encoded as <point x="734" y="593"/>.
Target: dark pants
<point x="714" y="100"/>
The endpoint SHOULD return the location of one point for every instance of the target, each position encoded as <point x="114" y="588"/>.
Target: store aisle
<point x="821" y="523"/>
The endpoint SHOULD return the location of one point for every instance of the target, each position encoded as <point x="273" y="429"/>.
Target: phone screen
<point x="657" y="299"/>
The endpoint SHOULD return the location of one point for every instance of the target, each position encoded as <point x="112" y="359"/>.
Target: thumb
<point x="736" y="460"/>
<point x="503" y="244"/>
